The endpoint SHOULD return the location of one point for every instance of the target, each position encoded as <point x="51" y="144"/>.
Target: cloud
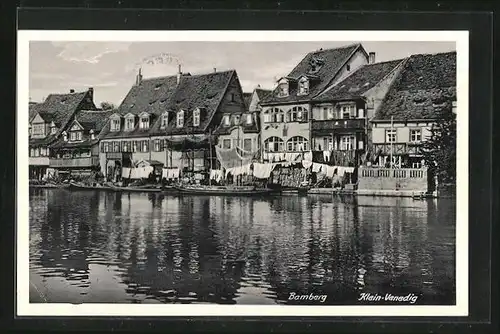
<point x="89" y="52"/>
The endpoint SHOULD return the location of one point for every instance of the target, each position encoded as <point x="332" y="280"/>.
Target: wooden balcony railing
<point x="393" y="173"/>
<point x="335" y="124"/>
<point x="398" y="148"/>
<point x="76" y="162"/>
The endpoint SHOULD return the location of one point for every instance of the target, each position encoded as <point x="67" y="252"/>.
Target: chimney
<point x="179" y="73"/>
<point x="92" y="137"/>
<point x="65" y="136"/>
<point x="91" y="93"/>
<point x="371" y="58"/>
<point x="138" y="78"/>
<point x="215" y="70"/>
<point x="71" y="90"/>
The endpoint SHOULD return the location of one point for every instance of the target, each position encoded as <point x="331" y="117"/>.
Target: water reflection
<point x="148" y="248"/>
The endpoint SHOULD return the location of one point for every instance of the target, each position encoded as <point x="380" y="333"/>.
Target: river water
<point x="90" y="246"/>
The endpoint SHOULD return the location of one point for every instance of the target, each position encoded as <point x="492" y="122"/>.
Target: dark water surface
<point x="88" y="246"/>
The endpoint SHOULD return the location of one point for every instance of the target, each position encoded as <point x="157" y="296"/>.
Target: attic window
<point x="283" y="88"/>
<point x="196" y="117"/>
<point x="144" y="123"/>
<point x="348" y="67"/>
<point x="303" y="86"/>
<point x="129" y="123"/>
<point x="53" y="130"/>
<point x="115" y="124"/>
<point x="164" y="120"/>
<point x="180" y="119"/>
<point x="315" y="64"/>
<point x="227" y="121"/>
<point x="158" y="86"/>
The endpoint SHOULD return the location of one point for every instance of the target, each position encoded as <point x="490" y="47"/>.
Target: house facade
<point x="76" y="152"/>
<point x="286" y="115"/>
<point x="340" y="128"/>
<point x="242" y="130"/>
<point x="47" y="122"/>
<point x="425" y="86"/>
<point x="170" y="120"/>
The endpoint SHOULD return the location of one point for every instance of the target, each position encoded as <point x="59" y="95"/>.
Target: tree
<point x="439" y="150"/>
<point x="107" y="105"/>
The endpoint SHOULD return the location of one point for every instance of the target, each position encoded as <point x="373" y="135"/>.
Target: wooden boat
<point x="81" y="186"/>
<point x="140" y="189"/>
<point x="50" y="186"/>
<point x="223" y="190"/>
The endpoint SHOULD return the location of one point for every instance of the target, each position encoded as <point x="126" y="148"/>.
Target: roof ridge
<point x="337" y="48"/>
<point x="432" y="54"/>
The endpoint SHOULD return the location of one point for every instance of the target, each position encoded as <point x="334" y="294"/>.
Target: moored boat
<point x="223" y="190"/>
<point x="138" y="189"/>
<point x="49" y="186"/>
<point x="81" y="186"/>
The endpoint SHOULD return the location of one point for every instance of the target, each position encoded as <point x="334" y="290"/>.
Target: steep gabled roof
<point x="60" y="109"/>
<point x="93" y="119"/>
<point x="262" y="93"/>
<point x="426" y="82"/>
<point x="359" y="82"/>
<point x="248" y="99"/>
<point x="204" y="91"/>
<point x="150" y="95"/>
<point x="332" y="62"/>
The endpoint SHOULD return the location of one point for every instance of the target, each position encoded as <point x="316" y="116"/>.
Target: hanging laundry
<point x="308" y="156"/>
<point x="125" y="172"/>
<point x="246" y="170"/>
<point x="216" y="174"/>
<point x="330" y="171"/>
<point x="306" y="164"/>
<point x="349" y="170"/>
<point x="316" y="167"/>
<point x="135" y="173"/>
<point x="326" y="156"/>
<point x="262" y="171"/>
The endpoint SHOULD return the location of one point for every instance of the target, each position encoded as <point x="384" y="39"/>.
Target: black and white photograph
<point x="242" y="172"/>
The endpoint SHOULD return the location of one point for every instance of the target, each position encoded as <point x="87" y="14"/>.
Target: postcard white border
<point x="25" y="308"/>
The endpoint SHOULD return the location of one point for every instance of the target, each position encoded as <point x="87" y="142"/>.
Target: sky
<point x="111" y="67"/>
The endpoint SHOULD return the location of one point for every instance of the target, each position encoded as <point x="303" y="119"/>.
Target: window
<point x="249" y="119"/>
<point x="283" y="88"/>
<point x="390" y="136"/>
<point x="32" y="152"/>
<point x="79" y="135"/>
<point x="196" y="117"/>
<point x="416" y="165"/>
<point x="247" y="144"/>
<point x="297" y="114"/>
<point x="348" y="67"/>
<point x="233" y="99"/>
<point x="144" y="146"/>
<point x="164" y="120"/>
<point x="72" y="136"/>
<point x="158" y="145"/>
<point x="297" y="143"/>
<point x="303" y="86"/>
<point x="135" y="146"/>
<point x="115" y="124"/>
<point x="226" y="143"/>
<point x="348" y="111"/>
<point x="126" y="147"/>
<point x="227" y="121"/>
<point x="276" y="116"/>
<point x="274" y="144"/>
<point x="116" y="147"/>
<point x="267" y="117"/>
<point x="347" y="143"/>
<point x="328" y="143"/>
<point x="180" y="119"/>
<point x="129" y="124"/>
<point x="415" y="135"/>
<point x="53" y="130"/>
<point x="144" y="124"/>
<point x="38" y="130"/>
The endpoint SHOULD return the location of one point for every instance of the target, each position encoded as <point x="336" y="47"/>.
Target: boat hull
<point x="223" y="191"/>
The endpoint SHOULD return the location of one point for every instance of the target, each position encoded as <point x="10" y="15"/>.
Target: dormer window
<point x="303" y="86"/>
<point x="75" y="136"/>
<point x="53" y="130"/>
<point x="180" y="119"/>
<point x="65" y="136"/>
<point x="164" y="120"/>
<point x="227" y="121"/>
<point x="129" y="122"/>
<point x="115" y="124"/>
<point x="283" y="88"/>
<point x="249" y="119"/>
<point x="144" y="122"/>
<point x="92" y="136"/>
<point x="196" y="117"/>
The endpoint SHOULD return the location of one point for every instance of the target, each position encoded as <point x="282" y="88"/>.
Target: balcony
<point x="74" y="163"/>
<point x="398" y="148"/>
<point x="39" y="161"/>
<point x="338" y="124"/>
